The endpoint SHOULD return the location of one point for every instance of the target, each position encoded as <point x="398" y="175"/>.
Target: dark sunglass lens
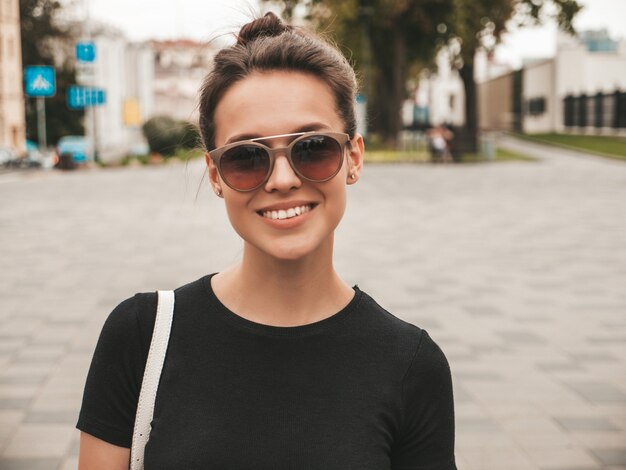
<point x="317" y="157"/>
<point x="245" y="167"/>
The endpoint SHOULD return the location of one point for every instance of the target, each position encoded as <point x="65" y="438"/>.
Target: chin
<point x="289" y="253"/>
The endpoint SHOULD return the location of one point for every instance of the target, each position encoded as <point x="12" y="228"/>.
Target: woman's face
<point x="276" y="103"/>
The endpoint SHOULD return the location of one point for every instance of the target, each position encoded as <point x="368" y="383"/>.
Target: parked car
<point x="75" y="145"/>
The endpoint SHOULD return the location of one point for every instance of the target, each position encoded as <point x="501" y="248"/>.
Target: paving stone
<point x="476" y="425"/>
<point x="51" y="417"/>
<point x="611" y="456"/>
<point x="558" y="457"/>
<point x="483" y="310"/>
<point x="560" y="366"/>
<point x="517" y="336"/>
<point x="14" y="403"/>
<point x="594" y="357"/>
<point x="561" y="467"/>
<point x="53" y="441"/>
<point x="29" y="464"/>
<point x="573" y="424"/>
<point x="598" y="392"/>
<point x="517" y="270"/>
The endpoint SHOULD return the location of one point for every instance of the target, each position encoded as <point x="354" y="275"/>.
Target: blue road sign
<point x="79" y="97"/>
<point x="39" y="81"/>
<point x="85" y="52"/>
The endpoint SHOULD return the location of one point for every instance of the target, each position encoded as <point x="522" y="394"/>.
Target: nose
<point x="282" y="178"/>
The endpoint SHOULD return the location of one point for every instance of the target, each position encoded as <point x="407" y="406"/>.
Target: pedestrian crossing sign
<point x="39" y="81"/>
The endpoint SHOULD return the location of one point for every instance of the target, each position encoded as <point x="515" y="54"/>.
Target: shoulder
<point x="134" y="317"/>
<point x="131" y="320"/>
<point x="410" y="346"/>
<point x="375" y="318"/>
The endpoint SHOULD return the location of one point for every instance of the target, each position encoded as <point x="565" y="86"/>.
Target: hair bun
<point x="268" y="25"/>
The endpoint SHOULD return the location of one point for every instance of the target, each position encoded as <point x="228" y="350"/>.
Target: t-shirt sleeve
<point x="426" y="437"/>
<point x="114" y="379"/>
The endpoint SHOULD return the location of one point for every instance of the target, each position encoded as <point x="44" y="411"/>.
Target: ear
<point x="355" y="158"/>
<point x="214" y="177"/>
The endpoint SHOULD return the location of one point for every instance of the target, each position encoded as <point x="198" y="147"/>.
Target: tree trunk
<point x="467" y="141"/>
<point x="389" y="94"/>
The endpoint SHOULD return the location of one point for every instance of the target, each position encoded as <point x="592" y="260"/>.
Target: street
<point x="516" y="269"/>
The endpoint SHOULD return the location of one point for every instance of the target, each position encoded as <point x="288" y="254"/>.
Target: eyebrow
<point x="314" y="126"/>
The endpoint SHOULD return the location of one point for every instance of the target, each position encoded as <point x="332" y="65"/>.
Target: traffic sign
<point x="85" y="52"/>
<point x="39" y="81"/>
<point x="79" y="97"/>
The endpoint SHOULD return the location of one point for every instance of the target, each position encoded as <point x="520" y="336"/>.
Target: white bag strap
<point x="151" y="376"/>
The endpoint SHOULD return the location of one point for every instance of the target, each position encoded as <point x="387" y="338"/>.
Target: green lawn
<point x="502" y="155"/>
<point x="393" y="156"/>
<point x="609" y="146"/>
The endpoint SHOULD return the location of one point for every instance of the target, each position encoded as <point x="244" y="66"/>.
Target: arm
<point x="96" y="454"/>
<point x="426" y="438"/>
<point x="109" y="405"/>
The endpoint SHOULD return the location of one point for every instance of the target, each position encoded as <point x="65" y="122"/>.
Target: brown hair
<point x="269" y="44"/>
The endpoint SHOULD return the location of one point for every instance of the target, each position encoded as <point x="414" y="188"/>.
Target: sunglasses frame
<point x="341" y="138"/>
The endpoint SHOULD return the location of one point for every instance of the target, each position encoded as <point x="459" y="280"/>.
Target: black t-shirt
<point x="361" y="389"/>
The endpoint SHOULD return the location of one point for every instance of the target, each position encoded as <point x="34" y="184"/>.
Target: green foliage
<point x="166" y="136"/>
<point x="45" y="42"/>
<point x="480" y="23"/>
<point x="384" y="39"/>
<point x="388" y="38"/>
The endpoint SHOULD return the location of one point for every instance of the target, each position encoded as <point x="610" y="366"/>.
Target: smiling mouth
<point x="287" y="213"/>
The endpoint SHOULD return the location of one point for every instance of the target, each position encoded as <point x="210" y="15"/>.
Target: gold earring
<point x="218" y="192"/>
<point x="353" y="176"/>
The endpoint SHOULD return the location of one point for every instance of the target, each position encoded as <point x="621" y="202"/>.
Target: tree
<point x="385" y="39"/>
<point x="46" y="42"/>
<point x="166" y="135"/>
<point x="479" y="24"/>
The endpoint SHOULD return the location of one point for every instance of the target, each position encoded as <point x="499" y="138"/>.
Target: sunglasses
<point x="314" y="156"/>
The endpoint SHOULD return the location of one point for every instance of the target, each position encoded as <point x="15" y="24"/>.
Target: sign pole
<point x="95" y="133"/>
<point x="41" y="123"/>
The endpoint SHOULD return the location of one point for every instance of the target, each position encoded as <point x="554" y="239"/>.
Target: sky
<point x="206" y="19"/>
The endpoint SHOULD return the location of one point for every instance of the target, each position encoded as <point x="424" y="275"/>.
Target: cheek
<point x="237" y="212"/>
<point x="337" y="198"/>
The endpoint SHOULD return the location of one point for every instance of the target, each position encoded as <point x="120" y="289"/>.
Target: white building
<point x="586" y="71"/>
<point x="180" y="68"/>
<point x="126" y="72"/>
<point x="12" y="116"/>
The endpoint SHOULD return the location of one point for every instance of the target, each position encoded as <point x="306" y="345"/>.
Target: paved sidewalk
<point x="517" y="269"/>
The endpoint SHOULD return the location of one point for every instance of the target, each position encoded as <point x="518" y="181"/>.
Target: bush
<point x="166" y="135"/>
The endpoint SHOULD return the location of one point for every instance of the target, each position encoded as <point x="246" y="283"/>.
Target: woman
<point x="275" y="363"/>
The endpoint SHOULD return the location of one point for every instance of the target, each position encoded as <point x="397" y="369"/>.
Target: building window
<point x="581" y="111"/>
<point x="591" y="111"/>
<point x="536" y="106"/>
<point x="598" y="111"/>
<point x="619" y="120"/>
<point x="568" y="111"/>
<point x="608" y="110"/>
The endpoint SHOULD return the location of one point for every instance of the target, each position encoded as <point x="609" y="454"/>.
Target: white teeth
<point x="288" y="213"/>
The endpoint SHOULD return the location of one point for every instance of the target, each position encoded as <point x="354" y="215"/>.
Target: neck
<point x="283" y="292"/>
